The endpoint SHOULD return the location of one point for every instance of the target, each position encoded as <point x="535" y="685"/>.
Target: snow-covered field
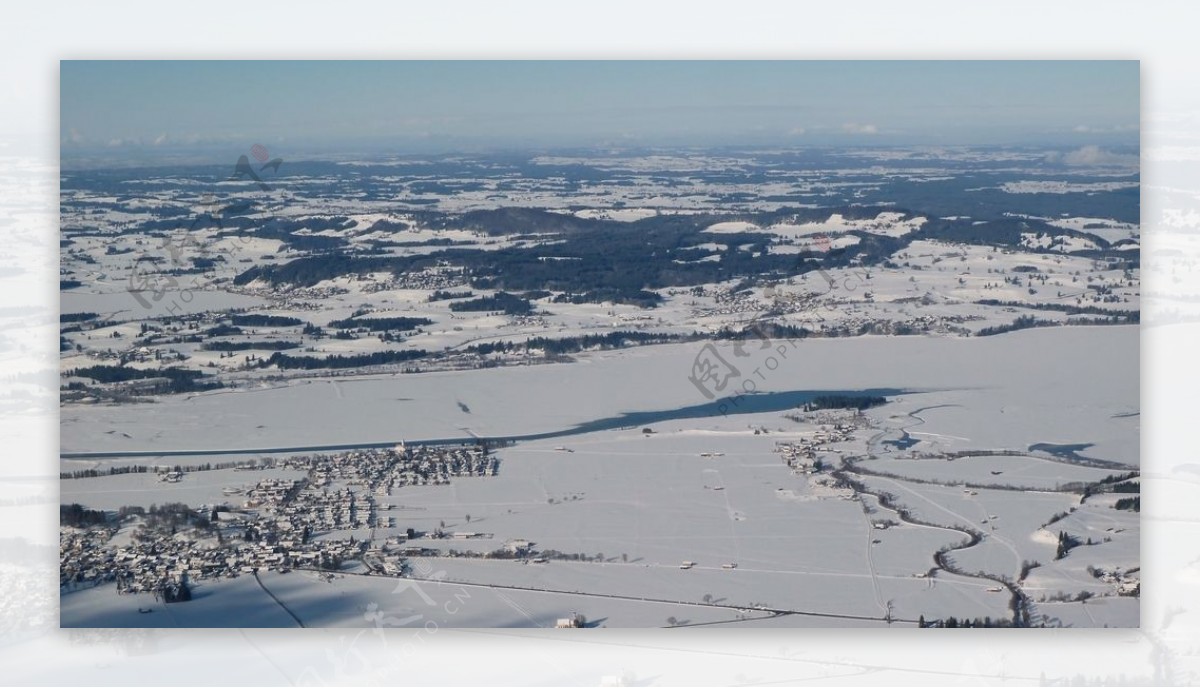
<point x="1030" y="472"/>
<point x="115" y="300"/>
<point x="1009" y="519"/>
<point x="144" y="489"/>
<point x="383" y="604"/>
<point x="885" y="224"/>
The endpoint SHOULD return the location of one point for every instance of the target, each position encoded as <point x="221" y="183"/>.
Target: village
<point x="381" y="470"/>
<point x="282" y="524"/>
<point x="279" y="524"/>
<point x="805" y="455"/>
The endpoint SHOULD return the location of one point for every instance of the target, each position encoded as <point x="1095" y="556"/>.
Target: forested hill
<point x="619" y="260"/>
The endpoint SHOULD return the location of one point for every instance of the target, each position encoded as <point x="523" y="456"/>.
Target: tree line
<point x="77" y="516"/>
<point x="381" y="324"/>
<point x="174" y="380"/>
<point x="287" y="362"/>
<point x="262" y="320"/>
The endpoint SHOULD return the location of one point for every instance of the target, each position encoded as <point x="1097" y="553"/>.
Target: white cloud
<point x="1088" y="129"/>
<point x="1094" y="156"/>
<point x="796" y="131"/>
<point x="864" y="129"/>
<point x="162" y="138"/>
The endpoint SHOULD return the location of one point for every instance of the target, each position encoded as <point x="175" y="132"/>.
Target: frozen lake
<point x="765" y="402"/>
<point x="1056" y="385"/>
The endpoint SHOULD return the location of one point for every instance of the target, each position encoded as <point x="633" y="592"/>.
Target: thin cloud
<point x="860" y="129"/>
<point x="1088" y="129"/>
<point x="1094" y="156"/>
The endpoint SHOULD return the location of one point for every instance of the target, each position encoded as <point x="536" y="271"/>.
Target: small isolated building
<point x="574" y="620"/>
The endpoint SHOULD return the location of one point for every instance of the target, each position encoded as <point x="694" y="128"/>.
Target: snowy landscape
<point x="760" y="387"/>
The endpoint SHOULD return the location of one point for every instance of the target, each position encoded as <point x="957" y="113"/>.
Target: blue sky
<point x="140" y="107"/>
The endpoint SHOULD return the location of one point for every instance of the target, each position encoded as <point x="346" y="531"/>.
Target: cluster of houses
<point x="82" y="554"/>
<point x="800" y="456"/>
<point x="272" y="492"/>
<point x="1127" y="583"/>
<point x="728" y="302"/>
<point x="273" y="526"/>
<point x="529" y="320"/>
<point x="289" y="297"/>
<point x="849" y="320"/>
<point x="161" y="563"/>
<point x="382" y="470"/>
<point x="803" y="456"/>
<point x="319" y="510"/>
<point x="438" y="277"/>
<point x="273" y="532"/>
